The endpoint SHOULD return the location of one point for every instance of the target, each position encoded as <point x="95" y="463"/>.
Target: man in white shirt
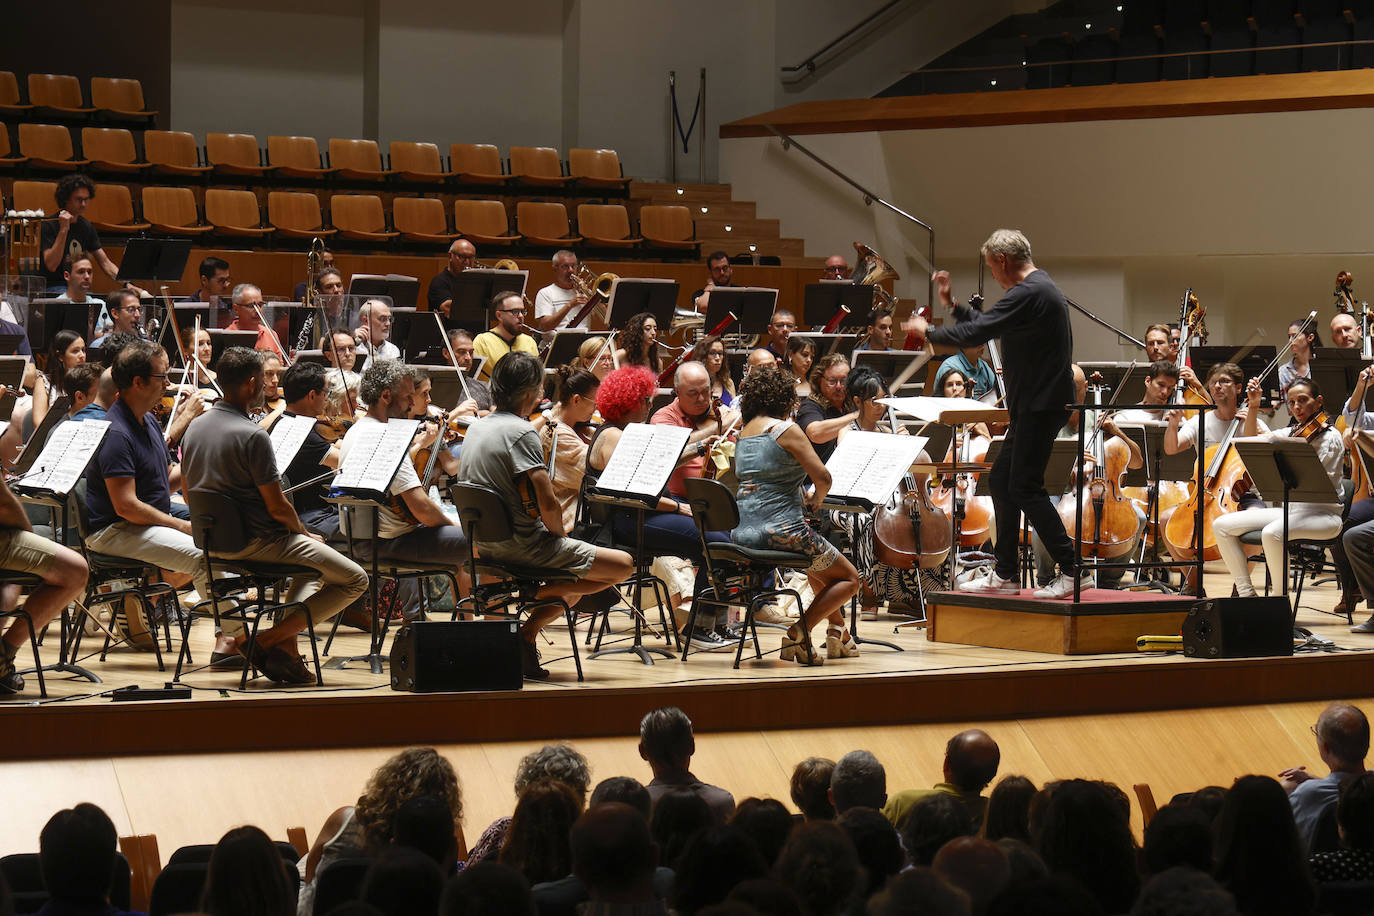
<point x="373" y="336"/>
<point x="556" y="305"/>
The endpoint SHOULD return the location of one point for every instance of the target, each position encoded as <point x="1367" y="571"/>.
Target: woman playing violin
<point x="205" y="376"/>
<point x="595" y="357"/>
<point x="574" y="403"/>
<point x="801" y="353"/>
<point x="1300" y="366"/>
<point x="67" y="350"/>
<point x="272" y="404"/>
<point x="710" y="352"/>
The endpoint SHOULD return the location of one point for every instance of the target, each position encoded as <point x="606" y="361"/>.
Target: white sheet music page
<point x="869" y="466"/>
<point x="644" y="459"/>
<point x="66" y="454"/>
<point x="377" y="451"/>
<point x="288" y="435"/>
<point x="929" y="409"/>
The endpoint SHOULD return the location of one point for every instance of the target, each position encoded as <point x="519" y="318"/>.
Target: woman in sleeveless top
<point x="639" y="343"/>
<point x="564" y="448"/>
<point x="773" y="458"/>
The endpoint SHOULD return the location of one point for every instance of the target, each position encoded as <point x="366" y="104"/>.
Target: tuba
<point x="593" y="288"/>
<point x="872" y="269"/>
<point x="503" y="264"/>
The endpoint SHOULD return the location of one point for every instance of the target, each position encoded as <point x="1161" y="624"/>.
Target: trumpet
<point x="592" y="288"/>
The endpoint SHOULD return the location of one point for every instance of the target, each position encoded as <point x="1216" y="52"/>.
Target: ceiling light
<point x="680" y="192"/>
<point x="703" y="209"/>
<point x="728" y="227"/>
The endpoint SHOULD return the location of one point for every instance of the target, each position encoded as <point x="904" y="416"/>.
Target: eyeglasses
<point x="513" y="311"/>
<point x="834" y="382"/>
<point x="161" y="375"/>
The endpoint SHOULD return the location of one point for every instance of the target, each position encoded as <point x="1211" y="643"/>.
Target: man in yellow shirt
<point x="507" y="336"/>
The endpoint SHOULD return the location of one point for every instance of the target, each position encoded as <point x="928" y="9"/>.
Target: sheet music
<point x="928" y="408"/>
<point x="869" y="466"/>
<point x="375" y="453"/>
<point x="644" y="459"/>
<point x="65" y="456"/>
<point x="288" y="435"/>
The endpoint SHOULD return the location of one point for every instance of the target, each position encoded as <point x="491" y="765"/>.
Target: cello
<point x="1109" y="519"/>
<point x="909" y="530"/>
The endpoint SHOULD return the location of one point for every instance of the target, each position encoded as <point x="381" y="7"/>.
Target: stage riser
<point x="1065" y="634"/>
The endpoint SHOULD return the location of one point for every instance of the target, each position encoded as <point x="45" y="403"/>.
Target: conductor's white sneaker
<point x="991" y="584"/>
<point x="1061" y="586"/>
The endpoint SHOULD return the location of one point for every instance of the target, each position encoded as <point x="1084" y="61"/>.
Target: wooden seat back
<point x="237" y="208"/>
<point x="9" y="89"/>
<point x="293" y="152"/>
<point x="474" y="159"/>
<point x="543" y="219"/>
<point x="56" y="90"/>
<point x="604" y="221"/>
<point x="170" y="147"/>
<point x="483" y="217"/>
<point x="669" y="223"/>
<point x="356" y="155"/>
<point x="298" y="210"/>
<point x="36" y="195"/>
<point x="357" y="213"/>
<point x="594" y="163"/>
<point x="108" y="144"/>
<point x="535" y="162"/>
<point x="46" y="141"/>
<point x="421" y="215"/>
<point x="112" y="204"/>
<point x="409" y="156"/>
<point x="114" y="94"/>
<point x="170" y="206"/>
<point x="239" y="150"/>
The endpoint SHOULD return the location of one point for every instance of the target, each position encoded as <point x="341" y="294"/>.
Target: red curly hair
<point x="623" y="390"/>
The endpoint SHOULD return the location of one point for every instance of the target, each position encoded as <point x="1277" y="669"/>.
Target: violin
<point x="333" y="428"/>
<point x="275" y="408"/>
<point x="1313" y="428"/>
<point x="427" y="459"/>
<point x="976" y="526"/>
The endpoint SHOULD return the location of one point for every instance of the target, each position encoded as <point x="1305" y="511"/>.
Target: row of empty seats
<point x="112" y="149"/>
<point x="363" y="218"/>
<point x="112" y="98"/>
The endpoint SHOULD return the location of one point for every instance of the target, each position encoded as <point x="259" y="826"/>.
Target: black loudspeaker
<point x="1238" y="628"/>
<point x="460" y="655"/>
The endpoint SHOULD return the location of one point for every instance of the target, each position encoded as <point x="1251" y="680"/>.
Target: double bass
<point x="1109" y="519"/>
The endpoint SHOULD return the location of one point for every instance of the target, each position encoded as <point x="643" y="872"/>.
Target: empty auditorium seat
<point x="1092" y="61"/>
<point x="1053" y="55"/>
<point x="544" y="224"/>
<point x="112" y="210"/>
<point x="1192" y="66"/>
<point x="172" y="152"/>
<point x="234" y="213"/>
<point x="360" y="216"/>
<point x="58" y="92"/>
<point x="1140" y="17"/>
<point x="421" y="219"/>
<point x="35" y="195"/>
<point x="296" y="214"/>
<point x="357" y="160"/>
<point x="596" y="168"/>
<point x="537" y="166"/>
<point x="48" y="146"/>
<point x="1240" y="41"/>
<point x="413" y="161"/>
<point x="484" y="221"/>
<point x="1270" y="55"/>
<point x="9" y="96"/>
<point x="296" y="157"/>
<point x="8" y="159"/>
<point x="607" y="225"/>
<point x="668" y="226"/>
<point x="1321" y="32"/>
<point x="121" y="98"/>
<point x="1143" y="69"/>
<point x="110" y="149"/>
<point x="173" y="210"/>
<point x="234" y="154"/>
<point x="476" y="163"/>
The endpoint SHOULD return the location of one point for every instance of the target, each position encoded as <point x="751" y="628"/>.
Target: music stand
<point x="752" y="306"/>
<point x="824" y="343"/>
<point x="1336" y="370"/>
<point x="49" y="316"/>
<point x="473" y="291"/>
<point x="154" y="260"/>
<point x="1158" y="466"/>
<point x="400" y="290"/>
<point x="445" y="390"/>
<point x="311" y="356"/>
<point x="1291" y="466"/>
<point x="1251" y="362"/>
<point x="12" y="375"/>
<point x="632" y="295"/>
<point x="821" y="300"/>
<point x="887" y="363"/>
<point x="566" y="343"/>
<point x="221" y="340"/>
<point x="426" y="342"/>
<point x="1115" y="374"/>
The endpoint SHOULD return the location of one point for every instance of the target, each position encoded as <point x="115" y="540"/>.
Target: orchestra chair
<point x="737" y="574"/>
<point x="476" y="163"/>
<point x="1305" y="556"/>
<point x="296" y="157"/>
<point x="173" y="210"/>
<point x="339" y="882"/>
<point x="59" y="94"/>
<point x="670" y="227"/>
<point x="484" y="221"/>
<point x="110" y="149"/>
<point x="597" y="168"/>
<point x="358" y="525"/>
<point x="235" y="212"/>
<point x="360" y="217"/>
<point x="25" y="581"/>
<point x="545" y="224"/>
<point x="35" y="195"/>
<point x="8" y="159"/>
<point x="417" y="162"/>
<point x="296" y="214"/>
<point x="606" y="225"/>
<point x="24" y="874"/>
<point x="218" y="527"/>
<point x="173" y="152"/>
<point x="537" y="167"/>
<point x="235" y="154"/>
<point x="49" y="146"/>
<point x="421" y="219"/>
<point x="357" y="160"/>
<point x="120" y="99"/>
<point x="10" y="105"/>
<point x="200" y="853"/>
<point x="498" y="587"/>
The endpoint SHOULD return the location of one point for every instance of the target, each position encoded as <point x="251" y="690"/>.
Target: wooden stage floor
<point x="927" y="682"/>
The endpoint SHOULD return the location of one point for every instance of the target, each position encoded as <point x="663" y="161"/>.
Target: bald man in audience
<point x="462" y="255"/>
<point x="1345" y="331"/>
<point x="971" y="762"/>
<point x="836" y="268"/>
<point x="1342" y="733"/>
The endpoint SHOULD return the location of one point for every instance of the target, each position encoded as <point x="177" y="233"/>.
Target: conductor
<point x="1032" y="321"/>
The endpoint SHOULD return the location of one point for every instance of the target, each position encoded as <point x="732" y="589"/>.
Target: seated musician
<point x="556" y="305"/>
<point x="952" y="383"/>
<point x="248" y="317"/>
<point x="271" y="405"/>
<point x="502" y="452"/>
<point x="66" y="351"/>
<point x="759" y="359"/>
<point x="1353" y="554"/>
<point x="462" y="255"/>
<point x="1224" y="382"/>
<point x="126" y="315"/>
<point x="1345" y="331"/>
<point x="1306" y="521"/>
<point x="801" y="353"/>
<point x="506" y="336"/>
<point x="718" y="266"/>
<point x="969" y="361"/>
<point x="215" y="282"/>
<point x="339" y="352"/>
<point x="78" y="272"/>
<point x="328" y="282"/>
<point x="624" y="398"/>
<point x="329" y="301"/>
<point x="373" y="336"/>
<point x="693" y="409"/>
<point x="877" y="332"/>
<point x="1161" y="378"/>
<point x="1157" y="342"/>
<point x="1300" y="366"/>
<point x="822" y="415"/>
<point x="303" y="389"/>
<point x="639" y="343"/>
<point x="596" y="357"/>
<point x="773" y="459"/>
<point x="566" y="434"/>
<point x="836" y="268"/>
<point x="62" y="570"/>
<point x="710" y="352"/>
<point x="780" y="328"/>
<point x="203" y="375"/>
<point x="225" y="452"/>
<point x="130" y="480"/>
<point x="83" y="387"/>
<point x="463" y="350"/>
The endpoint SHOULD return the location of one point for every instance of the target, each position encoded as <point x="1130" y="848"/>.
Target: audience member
<point x="715" y="860"/>
<point x="766" y="822"/>
<point x="247" y="877"/>
<point x="678" y="816"/>
<point x="1086" y="836"/>
<point x="552" y="761"/>
<point x="1355" y="818"/>
<point x="976" y="866"/>
<point x="919" y="892"/>
<point x="1259" y="854"/>
<point x="425" y="823"/>
<point x="623" y="789"/>
<point x="858" y="780"/>
<point x="1008" y="811"/>
<point x="403" y="882"/>
<point x="1183" y="891"/>
<point x="1025" y="863"/>
<point x="821" y="867"/>
<point x="615" y="858"/>
<point x="666" y="743"/>
<point x="876" y="844"/>
<point x="1178" y="835"/>
<point x="486" y="888"/>
<point x="1342" y="733"/>
<point x="971" y="761"/>
<point x="537" y="841"/>
<point x="1052" y="895"/>
<point x="767" y="897"/>
<point x="811" y="788"/>
<point x="931" y="823"/>
<point x="76" y="854"/>
<point x="1208" y="800"/>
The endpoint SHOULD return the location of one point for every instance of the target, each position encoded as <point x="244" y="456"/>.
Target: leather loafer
<point x="529" y="662"/>
<point x="1366" y="627"/>
<point x="284" y="667"/>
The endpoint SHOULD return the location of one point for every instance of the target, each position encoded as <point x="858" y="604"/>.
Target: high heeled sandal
<point x="794" y="649"/>
<point x="840" y="644"/>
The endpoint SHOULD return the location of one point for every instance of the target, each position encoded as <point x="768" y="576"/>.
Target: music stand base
<point x="374" y="661"/>
<point x="65" y="668"/>
<point x="641" y="650"/>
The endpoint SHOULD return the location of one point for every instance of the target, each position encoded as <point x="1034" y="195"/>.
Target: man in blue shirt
<point x="1343" y="742"/>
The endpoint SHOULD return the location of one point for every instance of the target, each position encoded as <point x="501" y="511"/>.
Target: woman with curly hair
<point x="364" y="828"/>
<point x="624" y="398"/>
<point x="801" y="353"/>
<point x="826" y="411"/>
<point x="639" y="342"/>
<point x="561" y="762"/>
<point x="537" y="843"/>
<point x="710" y="352"/>
<point x="773" y="458"/>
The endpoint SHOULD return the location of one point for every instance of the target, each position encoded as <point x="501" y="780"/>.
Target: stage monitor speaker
<point x="1238" y="628"/>
<point x="439" y="655"/>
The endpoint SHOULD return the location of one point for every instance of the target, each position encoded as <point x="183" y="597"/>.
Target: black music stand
<point x="752" y="306"/>
<point x="565" y="344"/>
<point x="1336" y="370"/>
<point x="632" y="295"/>
<point x="824" y="343"/>
<point x="426" y="341"/>
<point x="821" y="300"/>
<point x="154" y="260"/>
<point x="1157" y="467"/>
<point x="49" y="316"/>
<point x="400" y="290"/>
<point x="1252" y="362"/>
<point x="221" y="340"/>
<point x="642" y="577"/>
<point x="1115" y="375"/>
<point x="445" y="390"/>
<point x="472" y="294"/>
<point x="887" y="363"/>
<point x="1291" y="466"/>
